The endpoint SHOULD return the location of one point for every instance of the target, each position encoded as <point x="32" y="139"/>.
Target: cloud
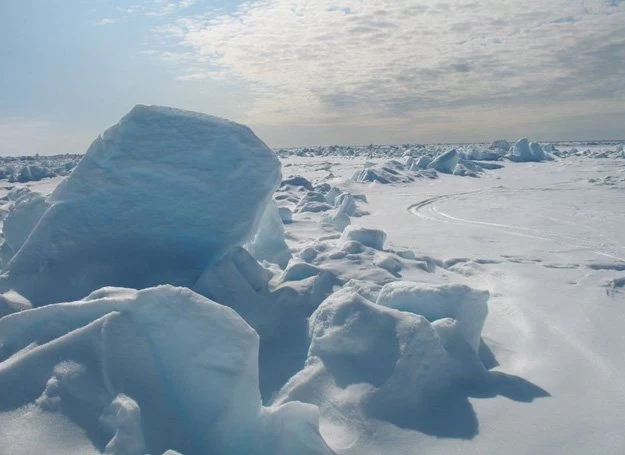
<point x="155" y="7"/>
<point x="107" y="21"/>
<point x="328" y="61"/>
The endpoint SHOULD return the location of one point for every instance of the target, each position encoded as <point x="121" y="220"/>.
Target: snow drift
<point x="156" y="199"/>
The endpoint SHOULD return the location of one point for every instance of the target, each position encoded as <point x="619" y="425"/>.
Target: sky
<point x="315" y="72"/>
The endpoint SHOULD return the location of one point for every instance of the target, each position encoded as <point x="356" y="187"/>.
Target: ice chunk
<point x="397" y="355"/>
<point x="123" y="416"/>
<point x="373" y="238"/>
<point x="23" y="216"/>
<point x="422" y="163"/>
<point x="165" y="368"/>
<point x="537" y="151"/>
<point x="157" y="198"/>
<point x="285" y="215"/>
<point x="268" y="243"/>
<point x="346" y="204"/>
<point x="12" y="302"/>
<point x="524" y="151"/>
<point x="445" y="162"/>
<point x="462" y="303"/>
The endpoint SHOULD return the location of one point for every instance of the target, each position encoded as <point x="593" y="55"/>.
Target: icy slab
<point x="157" y="198"/>
<point x="369" y="359"/>
<point x="28" y="207"/>
<point x="278" y="315"/>
<point x="197" y="391"/>
<point x="525" y="151"/>
<point x="268" y="243"/>
<point x="445" y="162"/>
<point x="12" y="302"/>
<point x="34" y="168"/>
<point x="373" y="238"/>
<point x="460" y="302"/>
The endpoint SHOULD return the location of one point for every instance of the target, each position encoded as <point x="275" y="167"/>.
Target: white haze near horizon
<point x="305" y="72"/>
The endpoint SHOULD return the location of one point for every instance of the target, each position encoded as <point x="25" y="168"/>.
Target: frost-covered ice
<point x="156" y="199"/>
<point x="151" y="370"/>
<point x="383" y="302"/>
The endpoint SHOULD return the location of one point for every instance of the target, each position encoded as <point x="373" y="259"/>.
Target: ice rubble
<point x="151" y="370"/>
<point x="268" y="242"/>
<point x="34" y="168"/>
<point x="445" y="162"/>
<point x="462" y="303"/>
<point x="369" y="360"/>
<point x="25" y="212"/>
<point x="152" y="202"/>
<point x="425" y="166"/>
<point x="147" y="205"/>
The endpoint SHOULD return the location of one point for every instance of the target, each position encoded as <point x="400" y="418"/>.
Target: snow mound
<point x="373" y="238"/>
<point x="197" y="391"/>
<point x="368" y="360"/>
<point x="157" y="198"/>
<point x="422" y="163"/>
<point x="462" y="303"/>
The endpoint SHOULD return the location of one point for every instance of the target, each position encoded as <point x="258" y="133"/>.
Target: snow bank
<point x="151" y="370"/>
<point x="462" y="303"/>
<point x="157" y="198"/>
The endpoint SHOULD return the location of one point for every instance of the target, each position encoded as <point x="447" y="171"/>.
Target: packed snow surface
<point x="440" y="299"/>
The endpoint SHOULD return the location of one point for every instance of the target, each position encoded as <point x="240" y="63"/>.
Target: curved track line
<point x="434" y="214"/>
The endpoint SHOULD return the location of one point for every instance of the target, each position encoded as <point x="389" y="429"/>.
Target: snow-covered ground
<point x="440" y="299"/>
<point x="546" y="239"/>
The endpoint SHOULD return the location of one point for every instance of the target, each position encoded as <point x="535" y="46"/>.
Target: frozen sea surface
<point x="474" y="307"/>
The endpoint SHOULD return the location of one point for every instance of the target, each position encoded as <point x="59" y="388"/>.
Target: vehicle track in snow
<point x="429" y="209"/>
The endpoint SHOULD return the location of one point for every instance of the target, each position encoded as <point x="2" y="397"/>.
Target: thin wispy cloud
<point x="319" y="60"/>
<point x="107" y="21"/>
<point x="154" y="7"/>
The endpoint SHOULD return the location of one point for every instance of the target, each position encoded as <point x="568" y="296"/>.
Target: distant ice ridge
<point x="148" y="371"/>
<point x="33" y="168"/>
<point x="156" y="199"/>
